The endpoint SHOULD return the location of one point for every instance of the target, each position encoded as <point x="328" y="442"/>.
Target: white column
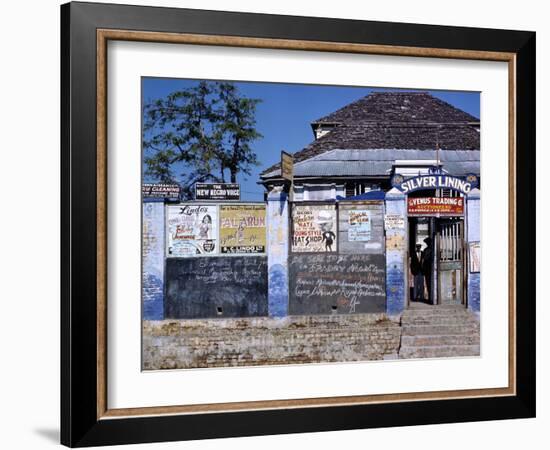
<point x="277" y="251"/>
<point x="396" y="251"/>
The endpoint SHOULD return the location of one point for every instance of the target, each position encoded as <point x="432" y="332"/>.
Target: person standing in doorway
<point x="426" y="264"/>
<point x="418" y="277"/>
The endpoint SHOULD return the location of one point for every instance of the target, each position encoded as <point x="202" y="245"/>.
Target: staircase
<point x="439" y="331"/>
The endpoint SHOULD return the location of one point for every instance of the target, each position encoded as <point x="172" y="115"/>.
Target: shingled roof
<point x="398" y="107"/>
<point x="390" y="120"/>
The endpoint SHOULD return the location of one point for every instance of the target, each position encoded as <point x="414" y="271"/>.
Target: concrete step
<point x="415" y="330"/>
<point x="440" y="320"/>
<point x="433" y="317"/>
<point x="438" y="340"/>
<point x="456" y="316"/>
<point x="436" y="312"/>
<point x="440" y="351"/>
<point x="416" y="306"/>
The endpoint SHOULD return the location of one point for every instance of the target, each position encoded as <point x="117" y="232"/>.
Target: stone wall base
<point x="199" y="343"/>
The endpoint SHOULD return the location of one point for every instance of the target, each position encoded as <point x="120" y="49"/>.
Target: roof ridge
<point x="399" y="93"/>
<point x="364" y="122"/>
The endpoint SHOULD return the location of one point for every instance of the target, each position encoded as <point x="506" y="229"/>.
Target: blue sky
<point x="284" y="115"/>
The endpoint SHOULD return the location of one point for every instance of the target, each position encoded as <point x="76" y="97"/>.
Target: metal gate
<point x="450" y="264"/>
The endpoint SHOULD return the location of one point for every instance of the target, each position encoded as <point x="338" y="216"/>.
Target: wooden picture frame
<point x="86" y="418"/>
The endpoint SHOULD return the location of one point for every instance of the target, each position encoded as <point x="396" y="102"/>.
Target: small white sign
<point x="475" y="257"/>
<point x="394" y="221"/>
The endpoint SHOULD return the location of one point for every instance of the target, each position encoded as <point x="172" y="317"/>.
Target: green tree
<point x="200" y="134"/>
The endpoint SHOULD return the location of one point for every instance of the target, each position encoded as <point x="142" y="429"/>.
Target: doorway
<point x="420" y="259"/>
<point x="450" y="252"/>
<point x="436" y="260"/>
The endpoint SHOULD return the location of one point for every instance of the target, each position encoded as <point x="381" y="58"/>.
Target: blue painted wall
<point x="396" y="247"/>
<point x="474" y="235"/>
<point x="278" y="234"/>
<point x="474" y="292"/>
<point x="277" y="253"/>
<point x="152" y="287"/>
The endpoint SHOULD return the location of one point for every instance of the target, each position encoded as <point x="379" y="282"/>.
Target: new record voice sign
<point x="217" y="191"/>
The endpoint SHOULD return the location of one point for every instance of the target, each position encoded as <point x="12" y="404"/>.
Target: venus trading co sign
<point x="435" y="206"/>
<point x="423" y="182"/>
<point x="217" y="191"/>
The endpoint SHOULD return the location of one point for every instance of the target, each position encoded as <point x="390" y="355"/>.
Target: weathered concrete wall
<point x="178" y="344"/>
<point x="350" y="278"/>
<point x="153" y="261"/>
<point x="314" y="191"/>
<point x="396" y="248"/>
<point x="474" y="235"/>
<point x="277" y="253"/>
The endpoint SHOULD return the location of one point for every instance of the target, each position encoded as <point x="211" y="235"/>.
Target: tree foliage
<point x="200" y="134"/>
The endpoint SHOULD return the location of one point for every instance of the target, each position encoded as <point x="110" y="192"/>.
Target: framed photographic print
<point x="276" y="224"/>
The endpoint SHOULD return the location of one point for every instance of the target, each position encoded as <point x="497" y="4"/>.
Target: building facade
<point x="408" y="166"/>
<point x="382" y="212"/>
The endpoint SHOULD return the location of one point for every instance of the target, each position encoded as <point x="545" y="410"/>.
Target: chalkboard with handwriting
<point x="215" y="287"/>
<point x="337" y="284"/>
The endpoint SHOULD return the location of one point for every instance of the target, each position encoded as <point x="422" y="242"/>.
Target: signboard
<point x="394" y="222"/>
<point x="160" y="191"/>
<point x="242" y="228"/>
<point x="359" y="225"/>
<point x="217" y="191"/>
<point x="341" y="284"/>
<point x="433" y="206"/>
<point x="192" y="229"/>
<point x="434" y="182"/>
<point x="475" y="257"/>
<point x="220" y="287"/>
<point x="287" y="166"/>
<point x="313" y="228"/>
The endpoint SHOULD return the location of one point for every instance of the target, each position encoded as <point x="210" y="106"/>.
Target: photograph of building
<point x="361" y="244"/>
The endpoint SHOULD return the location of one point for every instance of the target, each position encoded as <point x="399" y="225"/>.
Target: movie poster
<point x="359" y="225"/>
<point x="242" y="229"/>
<point x="313" y="228"/>
<point x="191" y="230"/>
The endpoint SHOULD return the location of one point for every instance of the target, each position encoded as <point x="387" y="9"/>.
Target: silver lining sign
<point x="435" y="182"/>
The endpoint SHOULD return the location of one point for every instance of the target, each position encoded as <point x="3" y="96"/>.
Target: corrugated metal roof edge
<point x="277" y="172"/>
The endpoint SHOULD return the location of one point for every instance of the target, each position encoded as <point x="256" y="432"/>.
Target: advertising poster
<point x="359" y="225"/>
<point x="313" y="228"/>
<point x="160" y="191"/>
<point x="433" y="206"/>
<point x="242" y="229"/>
<point x="191" y="230"/>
